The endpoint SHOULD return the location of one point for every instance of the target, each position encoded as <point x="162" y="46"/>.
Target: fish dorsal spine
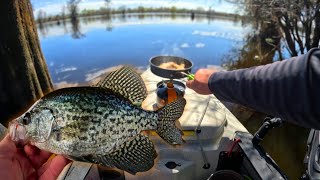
<point x="127" y="83"/>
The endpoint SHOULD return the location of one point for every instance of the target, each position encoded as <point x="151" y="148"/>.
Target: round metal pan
<point x="156" y="61"/>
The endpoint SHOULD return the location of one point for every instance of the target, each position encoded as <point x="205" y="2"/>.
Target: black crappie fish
<point x="100" y="124"/>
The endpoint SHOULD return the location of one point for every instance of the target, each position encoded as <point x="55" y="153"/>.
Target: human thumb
<point x="189" y="83"/>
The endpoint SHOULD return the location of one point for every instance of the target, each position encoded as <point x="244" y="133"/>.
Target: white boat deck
<point x="217" y="125"/>
<point x="216" y="115"/>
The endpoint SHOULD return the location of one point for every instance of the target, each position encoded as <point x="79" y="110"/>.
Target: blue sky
<point x="52" y="7"/>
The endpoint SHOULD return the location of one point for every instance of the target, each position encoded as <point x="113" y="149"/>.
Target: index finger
<point x="36" y="156"/>
<point x="189" y="83"/>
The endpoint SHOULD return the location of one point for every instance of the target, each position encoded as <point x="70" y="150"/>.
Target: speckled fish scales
<point x="96" y="117"/>
<point x="103" y="124"/>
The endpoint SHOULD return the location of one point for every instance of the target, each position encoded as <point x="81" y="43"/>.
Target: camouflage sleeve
<point x="289" y="89"/>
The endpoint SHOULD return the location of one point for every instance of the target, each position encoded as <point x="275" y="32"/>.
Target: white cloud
<point x="200" y="45"/>
<point x="66" y="69"/>
<point x="205" y="33"/>
<point x="173" y="49"/>
<point x="185" y="45"/>
<point x="237" y="36"/>
<point x="64" y="77"/>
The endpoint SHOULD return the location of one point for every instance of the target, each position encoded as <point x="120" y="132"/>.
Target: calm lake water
<point x="76" y="54"/>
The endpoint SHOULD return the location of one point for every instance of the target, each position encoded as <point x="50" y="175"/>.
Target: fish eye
<point x="26" y="119"/>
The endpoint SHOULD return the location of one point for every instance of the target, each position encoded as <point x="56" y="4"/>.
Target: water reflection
<point x="99" y="42"/>
<point x="261" y="46"/>
<point x="75" y="30"/>
<point x="73" y="25"/>
<point x="43" y="29"/>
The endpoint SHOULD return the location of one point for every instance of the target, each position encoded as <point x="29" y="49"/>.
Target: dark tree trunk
<point x="316" y="31"/>
<point x="286" y="28"/>
<point x="24" y="74"/>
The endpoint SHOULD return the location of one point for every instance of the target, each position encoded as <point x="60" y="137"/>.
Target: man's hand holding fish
<point x="28" y="162"/>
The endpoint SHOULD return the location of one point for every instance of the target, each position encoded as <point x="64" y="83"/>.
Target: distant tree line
<point x="41" y="18"/>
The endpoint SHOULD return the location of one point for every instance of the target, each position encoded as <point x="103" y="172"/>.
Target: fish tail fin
<point x="166" y="127"/>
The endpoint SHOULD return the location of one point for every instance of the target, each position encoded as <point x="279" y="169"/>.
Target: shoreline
<point x="191" y="14"/>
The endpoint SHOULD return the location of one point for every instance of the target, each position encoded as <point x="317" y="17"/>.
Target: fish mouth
<point x="17" y="132"/>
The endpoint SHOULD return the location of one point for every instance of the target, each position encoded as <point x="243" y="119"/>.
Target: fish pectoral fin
<point x="127" y="83"/>
<point x="135" y="155"/>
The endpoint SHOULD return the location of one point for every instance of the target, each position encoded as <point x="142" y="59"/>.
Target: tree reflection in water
<point x="74" y="15"/>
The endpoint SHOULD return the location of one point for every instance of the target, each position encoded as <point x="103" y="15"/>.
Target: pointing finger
<point x="189" y="84"/>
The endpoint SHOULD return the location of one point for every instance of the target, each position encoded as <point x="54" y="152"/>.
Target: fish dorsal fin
<point x="127" y="83"/>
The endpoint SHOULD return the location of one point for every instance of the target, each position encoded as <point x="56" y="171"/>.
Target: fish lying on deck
<point x="100" y="124"/>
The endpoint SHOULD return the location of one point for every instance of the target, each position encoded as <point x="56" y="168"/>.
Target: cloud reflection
<point x="226" y="35"/>
<point x="66" y="69"/>
<point x="64" y="77"/>
<point x="173" y="49"/>
<point x="200" y="45"/>
<point x="185" y="45"/>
